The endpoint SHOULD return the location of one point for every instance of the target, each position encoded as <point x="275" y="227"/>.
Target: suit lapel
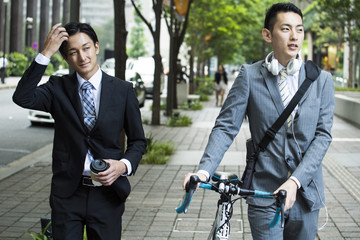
<point x="107" y="88"/>
<point x="73" y="89"/>
<point x="271" y="83"/>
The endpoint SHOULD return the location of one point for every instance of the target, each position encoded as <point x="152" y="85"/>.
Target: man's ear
<point x="267" y="35"/>
<point x="97" y="49"/>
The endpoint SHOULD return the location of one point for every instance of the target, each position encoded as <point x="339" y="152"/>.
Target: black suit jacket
<point x="119" y="109"/>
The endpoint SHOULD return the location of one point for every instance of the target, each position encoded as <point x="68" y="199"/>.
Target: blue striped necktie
<point x="89" y="109"/>
<point x="284" y="91"/>
<point x="88" y="105"/>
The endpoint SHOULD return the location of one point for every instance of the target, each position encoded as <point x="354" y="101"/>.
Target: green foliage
<point x="162" y="106"/>
<point x="346" y="89"/>
<point x="228" y="29"/>
<point x="137" y="38"/>
<point x="17" y="64"/>
<point x="157" y="152"/>
<point x="178" y="120"/>
<point x="58" y="61"/>
<point x="30" y="52"/>
<point x="49" y="69"/>
<point x="41" y="235"/>
<point x="205" y="86"/>
<point x="192" y="105"/>
<point x="146" y="121"/>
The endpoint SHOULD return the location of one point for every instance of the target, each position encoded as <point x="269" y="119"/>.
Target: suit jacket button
<point x="289" y="135"/>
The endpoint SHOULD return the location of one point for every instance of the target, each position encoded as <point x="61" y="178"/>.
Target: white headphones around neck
<point x="293" y="66"/>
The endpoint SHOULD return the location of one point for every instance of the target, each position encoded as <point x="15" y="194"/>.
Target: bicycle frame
<point x="221" y="226"/>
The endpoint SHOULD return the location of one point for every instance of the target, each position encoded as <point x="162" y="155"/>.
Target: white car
<point x="36" y="116"/>
<point x="145" y="66"/>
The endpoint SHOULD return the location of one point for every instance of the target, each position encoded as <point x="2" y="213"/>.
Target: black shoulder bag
<point x="312" y="73"/>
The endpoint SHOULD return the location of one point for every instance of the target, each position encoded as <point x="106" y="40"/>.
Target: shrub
<point x="192" y="105"/>
<point x="57" y="61"/>
<point x="17" y="64"/>
<point x="179" y="121"/>
<point x="157" y="152"/>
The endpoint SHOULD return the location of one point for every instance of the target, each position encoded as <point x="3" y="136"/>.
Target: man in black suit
<point x="74" y="199"/>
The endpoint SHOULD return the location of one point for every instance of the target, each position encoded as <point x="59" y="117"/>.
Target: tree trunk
<point x="120" y="38"/>
<point x="120" y="48"/>
<point x="16" y="29"/>
<point x="155" y="118"/>
<point x="44" y="23"/>
<point x="55" y="12"/>
<point x="191" y="70"/>
<point x="65" y="15"/>
<point x="351" y="65"/>
<point x="31" y="11"/>
<point x="74" y="11"/>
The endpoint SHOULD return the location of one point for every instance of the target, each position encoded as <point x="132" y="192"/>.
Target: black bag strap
<point x="312" y="73"/>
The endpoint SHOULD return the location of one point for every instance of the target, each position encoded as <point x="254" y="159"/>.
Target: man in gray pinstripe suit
<point x="292" y="161"/>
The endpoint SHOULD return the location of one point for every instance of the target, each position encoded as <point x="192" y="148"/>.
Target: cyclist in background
<point x="292" y="161"/>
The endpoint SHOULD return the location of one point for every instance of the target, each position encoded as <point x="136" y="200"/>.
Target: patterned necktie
<point x="88" y="105"/>
<point x="89" y="109"/>
<point x="284" y="91"/>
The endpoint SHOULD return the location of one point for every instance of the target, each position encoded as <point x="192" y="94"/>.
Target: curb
<point x="41" y="155"/>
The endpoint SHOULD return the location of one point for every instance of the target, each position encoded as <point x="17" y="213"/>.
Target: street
<point x="18" y="137"/>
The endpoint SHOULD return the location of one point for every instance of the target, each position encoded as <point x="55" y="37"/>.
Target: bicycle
<point x="227" y="185"/>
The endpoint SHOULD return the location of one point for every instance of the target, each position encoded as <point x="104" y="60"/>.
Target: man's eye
<point x="72" y="53"/>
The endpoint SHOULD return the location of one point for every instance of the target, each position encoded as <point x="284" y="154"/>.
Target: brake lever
<point x="281" y="200"/>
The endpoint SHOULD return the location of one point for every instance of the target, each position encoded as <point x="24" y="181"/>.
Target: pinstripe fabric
<point x="284" y="91"/>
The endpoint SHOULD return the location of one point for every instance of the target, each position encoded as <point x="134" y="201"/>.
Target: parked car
<point x="145" y="66"/>
<point x="38" y="117"/>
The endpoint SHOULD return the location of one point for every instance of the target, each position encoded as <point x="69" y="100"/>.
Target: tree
<point x="177" y="24"/>
<point x="228" y="29"/>
<point x="120" y="47"/>
<point x="16" y="29"/>
<point x="137" y="38"/>
<point x="343" y="17"/>
<point x="155" y="32"/>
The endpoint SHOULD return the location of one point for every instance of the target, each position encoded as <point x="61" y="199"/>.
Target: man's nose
<point x="81" y="55"/>
<point x="294" y="35"/>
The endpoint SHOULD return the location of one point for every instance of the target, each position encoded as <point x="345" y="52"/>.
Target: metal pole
<point x="3" y="67"/>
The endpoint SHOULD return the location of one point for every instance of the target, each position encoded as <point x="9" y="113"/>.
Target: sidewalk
<point x="156" y="189"/>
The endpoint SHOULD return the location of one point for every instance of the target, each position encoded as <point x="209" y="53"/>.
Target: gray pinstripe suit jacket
<point x="255" y="92"/>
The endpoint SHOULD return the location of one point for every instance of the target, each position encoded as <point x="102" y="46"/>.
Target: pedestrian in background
<point x="220" y="84"/>
<point x="292" y="160"/>
<point x="90" y="109"/>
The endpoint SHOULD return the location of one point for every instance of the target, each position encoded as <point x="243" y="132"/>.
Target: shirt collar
<point x="95" y="80"/>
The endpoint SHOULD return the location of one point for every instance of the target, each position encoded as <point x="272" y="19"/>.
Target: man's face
<point x="81" y="55"/>
<point x="287" y="36"/>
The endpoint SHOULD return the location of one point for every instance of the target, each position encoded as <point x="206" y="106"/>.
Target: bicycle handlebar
<point x="190" y="188"/>
<point x="234" y="190"/>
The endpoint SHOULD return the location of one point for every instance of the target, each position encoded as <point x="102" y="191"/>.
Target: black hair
<point x="271" y="13"/>
<point x="75" y="27"/>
